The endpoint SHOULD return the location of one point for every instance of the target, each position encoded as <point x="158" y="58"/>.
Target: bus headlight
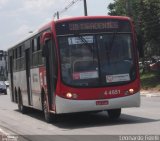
<point x="131" y="91"/>
<point x="69" y="95"/>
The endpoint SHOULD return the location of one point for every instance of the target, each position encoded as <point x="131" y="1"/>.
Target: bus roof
<point x="49" y="24"/>
<point x="81" y="18"/>
<point x="92" y="17"/>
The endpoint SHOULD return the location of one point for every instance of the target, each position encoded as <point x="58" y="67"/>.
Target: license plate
<point x="102" y="102"/>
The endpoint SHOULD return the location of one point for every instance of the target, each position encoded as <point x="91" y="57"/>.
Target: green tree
<point x="146" y="16"/>
<point x="117" y="8"/>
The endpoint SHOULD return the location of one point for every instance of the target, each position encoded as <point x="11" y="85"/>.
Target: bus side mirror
<point x="46" y="36"/>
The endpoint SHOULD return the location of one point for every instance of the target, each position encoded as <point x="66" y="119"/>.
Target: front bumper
<point x="72" y="106"/>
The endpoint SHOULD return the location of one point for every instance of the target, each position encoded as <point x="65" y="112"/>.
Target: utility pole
<point x="85" y="8"/>
<point x="57" y="15"/>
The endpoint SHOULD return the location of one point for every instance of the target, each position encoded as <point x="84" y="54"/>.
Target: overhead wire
<point x="66" y="8"/>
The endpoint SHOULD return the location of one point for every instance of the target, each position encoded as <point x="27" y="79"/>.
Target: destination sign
<point x="92" y="26"/>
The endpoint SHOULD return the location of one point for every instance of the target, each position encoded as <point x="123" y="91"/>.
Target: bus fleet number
<point x="112" y="92"/>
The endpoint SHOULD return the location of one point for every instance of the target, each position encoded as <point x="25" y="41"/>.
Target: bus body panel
<point x="36" y="89"/>
<point x="19" y="81"/>
<point x="20" y="84"/>
<point x="71" y="106"/>
<point x="109" y="92"/>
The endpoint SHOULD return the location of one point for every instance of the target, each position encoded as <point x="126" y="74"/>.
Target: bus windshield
<point x="96" y="60"/>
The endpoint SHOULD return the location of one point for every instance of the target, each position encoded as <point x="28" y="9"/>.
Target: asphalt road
<point x="134" y="121"/>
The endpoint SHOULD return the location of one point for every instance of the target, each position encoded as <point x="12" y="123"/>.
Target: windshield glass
<point x="96" y="60"/>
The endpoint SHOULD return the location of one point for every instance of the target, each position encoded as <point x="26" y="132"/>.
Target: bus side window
<point x="36" y="52"/>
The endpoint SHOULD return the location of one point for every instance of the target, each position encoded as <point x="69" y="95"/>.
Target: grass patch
<point x="150" y="80"/>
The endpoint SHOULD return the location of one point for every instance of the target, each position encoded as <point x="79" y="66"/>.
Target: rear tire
<point x="114" y="114"/>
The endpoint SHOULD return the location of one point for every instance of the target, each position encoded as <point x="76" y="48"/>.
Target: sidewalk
<point x="4" y="136"/>
<point x="150" y="93"/>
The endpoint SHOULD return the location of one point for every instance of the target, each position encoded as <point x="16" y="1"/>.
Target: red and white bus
<point x="77" y="65"/>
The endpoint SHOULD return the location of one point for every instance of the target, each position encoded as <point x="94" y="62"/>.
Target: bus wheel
<point x="21" y="108"/>
<point x="114" y="114"/>
<point x="47" y="114"/>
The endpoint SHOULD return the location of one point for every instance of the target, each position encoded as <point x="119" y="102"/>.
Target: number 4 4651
<point x="112" y="92"/>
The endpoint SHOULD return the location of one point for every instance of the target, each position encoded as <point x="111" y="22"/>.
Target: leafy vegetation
<point x="146" y="16"/>
<point x="150" y="80"/>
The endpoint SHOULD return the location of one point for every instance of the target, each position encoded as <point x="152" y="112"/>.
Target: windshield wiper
<point x="113" y="38"/>
<point x="83" y="39"/>
<point x="88" y="45"/>
<point x="109" y="49"/>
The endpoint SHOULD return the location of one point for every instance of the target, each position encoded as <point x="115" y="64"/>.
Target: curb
<point x="150" y="95"/>
<point x="4" y="136"/>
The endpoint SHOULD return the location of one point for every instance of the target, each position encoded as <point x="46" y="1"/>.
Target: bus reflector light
<point x="75" y="96"/>
<point x="126" y="93"/>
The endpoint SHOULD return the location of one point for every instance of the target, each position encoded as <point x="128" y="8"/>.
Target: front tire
<point x="47" y="114"/>
<point x="114" y="114"/>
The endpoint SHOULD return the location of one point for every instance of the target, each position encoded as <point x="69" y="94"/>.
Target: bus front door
<point x="28" y="77"/>
<point x="50" y="73"/>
